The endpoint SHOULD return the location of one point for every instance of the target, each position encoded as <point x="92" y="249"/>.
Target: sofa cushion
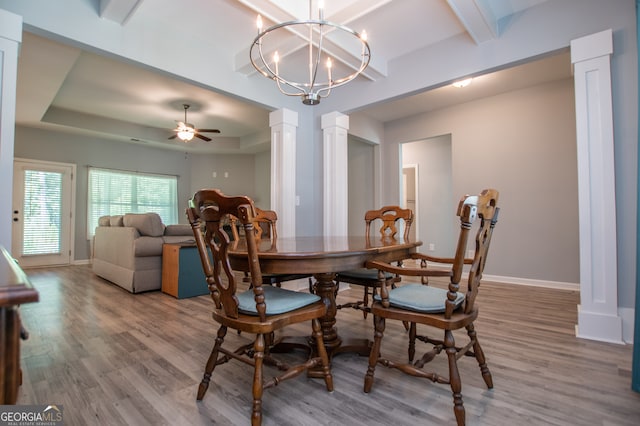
<point x="148" y="224"/>
<point x="104" y="221"/>
<point x="181" y="229"/>
<point x="116" y="220"/>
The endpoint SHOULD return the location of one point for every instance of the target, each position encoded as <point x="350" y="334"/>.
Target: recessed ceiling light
<point x="462" y="83"/>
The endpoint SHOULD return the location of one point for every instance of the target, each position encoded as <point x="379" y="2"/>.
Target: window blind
<point x="41" y="212"/>
<point x="115" y="192"/>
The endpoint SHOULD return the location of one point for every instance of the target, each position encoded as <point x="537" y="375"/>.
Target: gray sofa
<point x="127" y="249"/>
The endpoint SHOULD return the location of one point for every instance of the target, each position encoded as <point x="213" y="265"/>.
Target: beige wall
<point x="435" y="196"/>
<point x="234" y="173"/>
<point x="360" y="177"/>
<point x="522" y="143"/>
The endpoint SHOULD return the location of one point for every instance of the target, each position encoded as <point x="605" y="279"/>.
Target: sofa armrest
<point x="178" y="230"/>
<point x="116" y="245"/>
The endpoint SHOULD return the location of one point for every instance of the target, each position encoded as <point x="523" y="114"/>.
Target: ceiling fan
<point x="186" y="131"/>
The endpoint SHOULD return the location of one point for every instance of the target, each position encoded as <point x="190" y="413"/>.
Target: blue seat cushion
<point x="278" y="300"/>
<point x="420" y="298"/>
<point x="364" y="274"/>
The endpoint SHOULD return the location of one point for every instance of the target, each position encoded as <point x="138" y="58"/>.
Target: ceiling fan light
<point x="185" y="135"/>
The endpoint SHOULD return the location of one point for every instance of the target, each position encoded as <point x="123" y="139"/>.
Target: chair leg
<point x="322" y="352"/>
<point x="412" y="341"/>
<point x="375" y="352"/>
<point x="454" y="377"/>
<point x="479" y="354"/>
<point x="258" y="356"/>
<point x="365" y="301"/>
<point x="211" y="363"/>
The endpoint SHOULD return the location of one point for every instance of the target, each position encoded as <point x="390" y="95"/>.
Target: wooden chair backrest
<point x="389" y="216"/>
<point x="264" y="225"/>
<point x="207" y="211"/>
<point x="471" y="208"/>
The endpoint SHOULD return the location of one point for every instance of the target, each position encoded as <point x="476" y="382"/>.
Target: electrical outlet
<point x="432" y="247"/>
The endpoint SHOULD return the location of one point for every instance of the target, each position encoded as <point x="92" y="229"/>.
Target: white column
<point x="598" y="317"/>
<point x="284" y="124"/>
<point x="335" y="174"/>
<point x="10" y="38"/>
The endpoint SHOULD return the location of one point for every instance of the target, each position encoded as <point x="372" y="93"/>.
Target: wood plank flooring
<point x="113" y="358"/>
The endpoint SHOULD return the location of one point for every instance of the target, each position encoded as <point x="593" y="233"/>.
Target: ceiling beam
<point x="118" y="10"/>
<point x="476" y="19"/>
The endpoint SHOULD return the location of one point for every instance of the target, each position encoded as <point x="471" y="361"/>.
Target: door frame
<point x="70" y="201"/>
<point x="416" y="213"/>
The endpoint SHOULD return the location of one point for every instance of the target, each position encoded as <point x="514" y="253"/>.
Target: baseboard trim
<point x="531" y="282"/>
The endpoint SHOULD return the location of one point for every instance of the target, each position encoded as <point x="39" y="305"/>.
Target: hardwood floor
<point x="113" y="358"/>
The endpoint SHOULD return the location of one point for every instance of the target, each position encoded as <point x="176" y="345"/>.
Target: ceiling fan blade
<point x="172" y="137"/>
<point x="204" y="138"/>
<point x="208" y="130"/>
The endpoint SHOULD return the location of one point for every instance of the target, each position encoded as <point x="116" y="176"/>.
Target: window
<point x="41" y="212"/>
<point x="113" y="192"/>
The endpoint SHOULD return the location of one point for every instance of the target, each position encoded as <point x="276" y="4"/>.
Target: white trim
<point x="628" y="316"/>
<point x="10" y="38"/>
<point x="558" y="285"/>
<point x="284" y="126"/>
<point x="598" y="311"/>
<point x="335" y="174"/>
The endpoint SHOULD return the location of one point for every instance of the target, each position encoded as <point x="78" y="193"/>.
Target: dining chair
<point x="447" y="309"/>
<point x="261" y="310"/>
<point x="389" y="217"/>
<point x="265" y="227"/>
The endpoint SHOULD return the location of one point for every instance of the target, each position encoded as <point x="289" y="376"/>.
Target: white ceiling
<point x="67" y="88"/>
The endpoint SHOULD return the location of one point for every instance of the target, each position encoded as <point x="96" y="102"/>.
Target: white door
<point x="42" y="213"/>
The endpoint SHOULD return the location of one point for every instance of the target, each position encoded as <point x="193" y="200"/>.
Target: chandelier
<point x="313" y="32"/>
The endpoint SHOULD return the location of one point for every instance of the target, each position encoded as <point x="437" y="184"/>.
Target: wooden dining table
<point x="323" y="257"/>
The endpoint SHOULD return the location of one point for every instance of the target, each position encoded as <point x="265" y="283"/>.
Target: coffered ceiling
<point x="67" y="87"/>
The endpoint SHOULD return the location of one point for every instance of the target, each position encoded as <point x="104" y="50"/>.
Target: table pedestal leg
<point x="326" y="288"/>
